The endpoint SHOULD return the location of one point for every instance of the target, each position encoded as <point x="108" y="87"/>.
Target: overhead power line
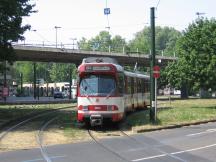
<point x="157" y="4"/>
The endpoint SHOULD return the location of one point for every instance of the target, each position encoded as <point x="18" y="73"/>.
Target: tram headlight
<point x="112" y="108"/>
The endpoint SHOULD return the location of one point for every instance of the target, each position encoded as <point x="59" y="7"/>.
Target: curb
<point x="172" y="126"/>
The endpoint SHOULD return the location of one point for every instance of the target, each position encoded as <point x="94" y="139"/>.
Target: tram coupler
<point x="96" y="120"/>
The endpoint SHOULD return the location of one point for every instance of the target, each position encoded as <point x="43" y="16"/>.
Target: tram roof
<point x="108" y="60"/>
<point x="100" y="60"/>
<point x="134" y="74"/>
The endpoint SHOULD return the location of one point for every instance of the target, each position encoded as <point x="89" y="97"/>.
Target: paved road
<point x="187" y="144"/>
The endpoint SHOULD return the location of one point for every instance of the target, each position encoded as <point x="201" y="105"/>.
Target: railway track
<point x="97" y="141"/>
<point x="42" y="120"/>
<point x="12" y="124"/>
<point x="40" y="139"/>
<point x="122" y="133"/>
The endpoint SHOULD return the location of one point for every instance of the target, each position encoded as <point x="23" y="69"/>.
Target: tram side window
<point x="139" y="87"/>
<point x="121" y="83"/>
<point x="126" y="84"/>
<point x="147" y="85"/>
<point x="143" y="86"/>
<point x="129" y="85"/>
<point x="132" y="85"/>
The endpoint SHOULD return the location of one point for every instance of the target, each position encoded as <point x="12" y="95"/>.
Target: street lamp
<point x="56" y="28"/>
<point x="73" y="39"/>
<point x="199" y="13"/>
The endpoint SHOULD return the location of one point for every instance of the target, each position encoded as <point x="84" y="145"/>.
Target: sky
<point x="85" y="18"/>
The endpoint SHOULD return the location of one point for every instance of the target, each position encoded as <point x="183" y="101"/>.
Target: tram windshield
<point x="97" y="85"/>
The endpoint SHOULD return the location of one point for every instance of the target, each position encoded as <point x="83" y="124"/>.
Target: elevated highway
<point x="62" y="55"/>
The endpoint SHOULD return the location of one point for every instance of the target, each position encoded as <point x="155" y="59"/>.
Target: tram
<point x="105" y="91"/>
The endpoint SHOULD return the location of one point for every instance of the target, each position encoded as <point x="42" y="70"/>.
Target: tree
<point x="102" y="42"/>
<point x="84" y="44"/>
<point x="196" y="65"/>
<point x="165" y="40"/>
<point x="50" y="72"/>
<point x="60" y="72"/>
<point x="26" y="68"/>
<point x="118" y="43"/>
<point x="11" y="29"/>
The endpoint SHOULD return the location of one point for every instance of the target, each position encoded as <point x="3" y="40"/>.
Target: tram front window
<point x="97" y="85"/>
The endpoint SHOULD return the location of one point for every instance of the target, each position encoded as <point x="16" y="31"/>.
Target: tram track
<point x="42" y="116"/>
<point x="40" y="139"/>
<point x="145" y="145"/>
<point x="142" y="145"/>
<point x="97" y="141"/>
<point x="14" y="123"/>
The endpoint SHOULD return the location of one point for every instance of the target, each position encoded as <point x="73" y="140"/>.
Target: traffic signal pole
<point x="152" y="64"/>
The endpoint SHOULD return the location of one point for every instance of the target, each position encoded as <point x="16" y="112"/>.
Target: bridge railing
<point x="75" y="46"/>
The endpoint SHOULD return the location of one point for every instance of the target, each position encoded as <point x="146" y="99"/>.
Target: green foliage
<point x="11" y="29"/>
<point x="26" y="68"/>
<point x="196" y="65"/>
<point x="60" y="72"/>
<point x="165" y="40"/>
<point x="50" y="72"/>
<point x="102" y="42"/>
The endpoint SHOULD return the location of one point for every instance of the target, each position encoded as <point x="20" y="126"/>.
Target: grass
<point x="68" y="122"/>
<point x="9" y="112"/>
<point x="176" y="112"/>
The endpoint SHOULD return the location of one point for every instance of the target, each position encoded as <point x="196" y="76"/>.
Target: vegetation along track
<point x="31" y="121"/>
<point x="23" y="119"/>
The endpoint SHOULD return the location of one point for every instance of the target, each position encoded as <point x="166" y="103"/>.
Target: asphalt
<point x="196" y="143"/>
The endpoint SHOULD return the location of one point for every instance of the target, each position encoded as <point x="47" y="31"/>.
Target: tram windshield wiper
<point x="109" y="94"/>
<point x="84" y="92"/>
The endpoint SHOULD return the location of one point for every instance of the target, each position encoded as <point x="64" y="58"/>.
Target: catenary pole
<point x="34" y="71"/>
<point x="152" y="64"/>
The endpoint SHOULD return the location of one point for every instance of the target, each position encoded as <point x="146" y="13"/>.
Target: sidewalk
<point x="31" y="100"/>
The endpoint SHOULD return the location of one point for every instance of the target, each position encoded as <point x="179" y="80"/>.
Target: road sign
<point x="156" y="71"/>
<point x="5" y="92"/>
<point x="40" y="81"/>
<point x="106" y="11"/>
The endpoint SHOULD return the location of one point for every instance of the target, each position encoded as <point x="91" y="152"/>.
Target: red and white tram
<point x="106" y="92"/>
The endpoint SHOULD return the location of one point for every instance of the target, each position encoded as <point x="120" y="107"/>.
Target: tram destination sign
<point x="97" y="68"/>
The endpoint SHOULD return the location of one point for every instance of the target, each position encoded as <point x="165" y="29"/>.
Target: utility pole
<point x="5" y="77"/>
<point x="34" y="71"/>
<point x="70" y="82"/>
<point x="152" y="64"/>
<point x="21" y="83"/>
<point x="56" y="28"/>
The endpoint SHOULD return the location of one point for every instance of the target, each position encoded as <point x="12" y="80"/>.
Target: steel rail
<point x="40" y="140"/>
<point x="105" y="147"/>
<point x="2" y="135"/>
<point x="147" y="145"/>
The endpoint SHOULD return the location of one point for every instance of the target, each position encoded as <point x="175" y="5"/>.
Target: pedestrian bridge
<point x="62" y="55"/>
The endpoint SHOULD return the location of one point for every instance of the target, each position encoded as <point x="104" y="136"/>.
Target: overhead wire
<point x="157" y="4"/>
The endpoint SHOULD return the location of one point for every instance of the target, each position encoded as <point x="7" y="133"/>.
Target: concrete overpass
<point x="61" y="55"/>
